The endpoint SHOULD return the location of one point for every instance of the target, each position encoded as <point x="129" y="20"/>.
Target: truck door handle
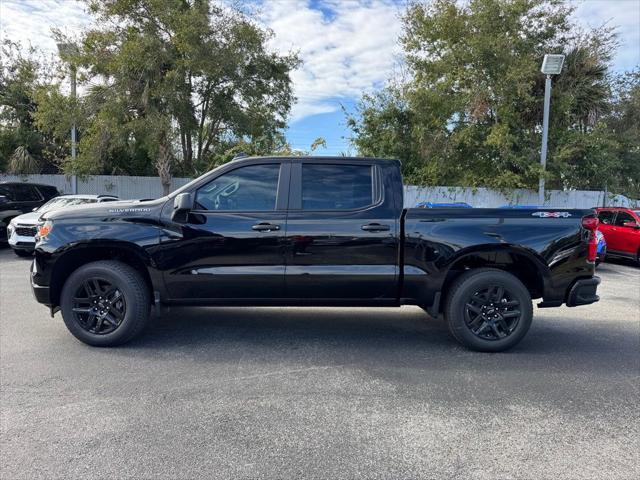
<point x="375" y="227"/>
<point x="265" y="227"/>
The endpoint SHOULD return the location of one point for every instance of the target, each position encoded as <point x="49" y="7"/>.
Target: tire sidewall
<point x="129" y="324"/>
<point x="471" y="284"/>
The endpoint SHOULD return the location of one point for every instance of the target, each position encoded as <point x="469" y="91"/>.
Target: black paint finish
<point x="380" y="254"/>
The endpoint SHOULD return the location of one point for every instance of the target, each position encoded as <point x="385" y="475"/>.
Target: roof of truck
<point x="6" y="182"/>
<point x="316" y="158"/>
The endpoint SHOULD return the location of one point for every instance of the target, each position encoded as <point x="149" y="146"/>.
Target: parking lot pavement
<point x="321" y="393"/>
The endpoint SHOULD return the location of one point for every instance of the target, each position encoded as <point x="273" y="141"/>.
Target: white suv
<point x="21" y="231"/>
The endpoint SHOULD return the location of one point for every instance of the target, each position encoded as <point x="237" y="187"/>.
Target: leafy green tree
<point x="23" y="147"/>
<point x="471" y="112"/>
<point x="383" y="127"/>
<point x="623" y="121"/>
<point x="175" y="82"/>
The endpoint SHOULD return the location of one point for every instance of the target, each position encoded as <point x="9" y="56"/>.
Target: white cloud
<point x="622" y="14"/>
<point x="353" y="50"/>
<point x="30" y="21"/>
<point x="348" y="48"/>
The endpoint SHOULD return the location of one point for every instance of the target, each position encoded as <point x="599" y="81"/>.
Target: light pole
<point x="551" y="65"/>
<point x="66" y="50"/>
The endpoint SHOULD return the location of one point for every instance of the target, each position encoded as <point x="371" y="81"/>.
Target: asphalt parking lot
<point x="321" y="393"/>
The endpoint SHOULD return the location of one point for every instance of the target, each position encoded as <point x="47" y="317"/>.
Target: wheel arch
<point x="522" y="263"/>
<point x="83" y="253"/>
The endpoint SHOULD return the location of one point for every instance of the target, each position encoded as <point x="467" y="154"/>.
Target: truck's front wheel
<point x="105" y="303"/>
<point x="488" y="310"/>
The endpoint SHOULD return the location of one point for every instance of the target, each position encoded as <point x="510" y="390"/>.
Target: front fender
<point x="65" y="249"/>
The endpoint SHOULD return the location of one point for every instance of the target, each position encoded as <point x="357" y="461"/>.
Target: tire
<point x="23" y="253"/>
<point x="105" y="286"/>
<point x="474" y="313"/>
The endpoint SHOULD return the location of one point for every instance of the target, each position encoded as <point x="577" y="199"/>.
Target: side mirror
<point x="631" y="225"/>
<point x="182" y="205"/>
<point x="35" y="209"/>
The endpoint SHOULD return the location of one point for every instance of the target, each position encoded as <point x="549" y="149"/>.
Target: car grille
<point x="26" y="231"/>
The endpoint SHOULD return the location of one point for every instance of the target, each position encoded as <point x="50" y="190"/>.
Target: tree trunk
<point x="163" y="163"/>
<point x="187" y="148"/>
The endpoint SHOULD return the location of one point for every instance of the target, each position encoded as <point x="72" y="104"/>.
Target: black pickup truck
<point x="311" y="231"/>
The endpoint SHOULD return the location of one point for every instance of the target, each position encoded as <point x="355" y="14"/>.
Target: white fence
<point x="149" y="187"/>
<point x="124" y="187"/>
<point x="487" y="198"/>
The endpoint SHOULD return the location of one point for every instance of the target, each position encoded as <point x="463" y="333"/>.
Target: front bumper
<point x="20" y="242"/>
<point x="40" y="292"/>
<point x="583" y="292"/>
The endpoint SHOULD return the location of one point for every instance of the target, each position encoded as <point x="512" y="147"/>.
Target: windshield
<point x="61" y="202"/>
<point x="192" y="182"/>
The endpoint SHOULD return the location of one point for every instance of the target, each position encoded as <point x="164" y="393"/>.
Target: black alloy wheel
<point x="106" y="303"/>
<point x="492" y="313"/>
<point x="488" y="309"/>
<point x="98" y="306"/>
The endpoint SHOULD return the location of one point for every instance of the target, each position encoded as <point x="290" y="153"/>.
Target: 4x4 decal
<point x="551" y="214"/>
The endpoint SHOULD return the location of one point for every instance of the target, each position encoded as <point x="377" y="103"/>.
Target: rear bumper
<point x="583" y="292"/>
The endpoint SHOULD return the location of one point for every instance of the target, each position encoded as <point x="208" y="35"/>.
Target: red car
<point x="621" y="230"/>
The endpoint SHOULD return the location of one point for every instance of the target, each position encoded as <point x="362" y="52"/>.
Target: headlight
<point x="44" y="229"/>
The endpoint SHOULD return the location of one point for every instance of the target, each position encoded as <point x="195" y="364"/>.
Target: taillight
<point x="592" y="248"/>
<point x="591" y="224"/>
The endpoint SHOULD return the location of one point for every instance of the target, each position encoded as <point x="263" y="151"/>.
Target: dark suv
<point x="17" y="198"/>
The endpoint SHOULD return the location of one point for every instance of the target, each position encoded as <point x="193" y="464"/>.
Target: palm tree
<point x="586" y="86"/>
<point x="22" y="162"/>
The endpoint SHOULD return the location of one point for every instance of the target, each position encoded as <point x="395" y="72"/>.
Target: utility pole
<point x="74" y="178"/>
<point x="545" y="137"/>
<point x="68" y="50"/>
<point x="551" y="65"/>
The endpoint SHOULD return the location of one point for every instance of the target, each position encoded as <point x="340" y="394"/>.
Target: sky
<point x="348" y="47"/>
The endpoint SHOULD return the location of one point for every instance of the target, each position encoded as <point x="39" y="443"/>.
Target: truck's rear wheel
<point x="488" y="310"/>
<point x="105" y="303"/>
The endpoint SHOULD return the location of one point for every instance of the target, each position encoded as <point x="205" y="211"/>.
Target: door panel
<point x="340" y="253"/>
<point x="224" y="252"/>
<point x="622" y="236"/>
<point x="607" y="220"/>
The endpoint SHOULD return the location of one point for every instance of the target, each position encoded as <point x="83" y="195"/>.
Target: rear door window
<point x="337" y="187"/>
<point x="22" y="192"/>
<point x="624" y="217"/>
<point x="31" y="194"/>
